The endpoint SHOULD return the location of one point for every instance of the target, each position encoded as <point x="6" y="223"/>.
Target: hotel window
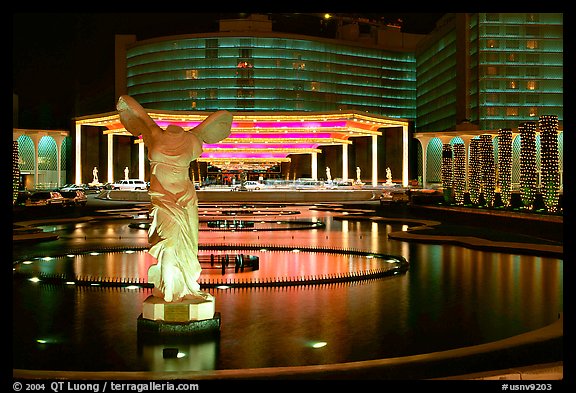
<point x="245" y="53"/>
<point x="211" y="46"/>
<point x="532" y="31"/>
<point x="512" y="71"/>
<point x="532" y="44"/>
<point x="493" y="84"/>
<point x="531" y="85"/>
<point x="512" y="44"/>
<point x="492" y="30"/>
<point x="493" y="98"/>
<point x="491" y="44"/>
<point x="493" y="57"/>
<point x="532" y="58"/>
<point x="532" y="71"/>
<point x="513" y="84"/>
<point x="212" y="93"/>
<point x="512" y="57"/>
<point x="491" y="70"/>
<point x="491" y="111"/>
<point x="191" y="74"/>
<point x="512" y="30"/>
<point x="533" y="111"/>
<point x="512" y="98"/>
<point x="511" y="111"/>
<point x="532" y="98"/>
<point x="493" y="17"/>
<point x="532" y="18"/>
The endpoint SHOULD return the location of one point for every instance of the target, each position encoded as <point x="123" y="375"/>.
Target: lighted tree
<point x="549" y="161"/>
<point x="447" y="171"/>
<point x="528" y="174"/>
<point x="459" y="172"/>
<point x="505" y="165"/>
<point x="488" y="169"/>
<point x="475" y="175"/>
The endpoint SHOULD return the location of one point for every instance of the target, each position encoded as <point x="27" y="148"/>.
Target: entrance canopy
<point x="263" y="139"/>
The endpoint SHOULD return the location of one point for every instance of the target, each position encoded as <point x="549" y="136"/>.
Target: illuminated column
<point x="374" y="160"/>
<point x="36" y="139"/>
<point x="78" y="150"/>
<point x="466" y="139"/>
<point x="488" y="168"/>
<point x="549" y="161"/>
<point x="110" y="158"/>
<point x="344" y="162"/>
<point x="505" y="165"/>
<point x="424" y="140"/>
<point x="475" y="174"/>
<point x="446" y="171"/>
<point x="314" y="159"/>
<point x="528" y="175"/>
<point x="59" y="139"/>
<point x="459" y="172"/>
<point x="141" y="157"/>
<point x="405" y="156"/>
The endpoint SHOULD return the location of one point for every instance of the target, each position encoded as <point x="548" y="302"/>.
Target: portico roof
<point x="264" y="136"/>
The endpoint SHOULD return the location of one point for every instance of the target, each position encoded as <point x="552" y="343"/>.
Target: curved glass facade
<point x="240" y="73"/>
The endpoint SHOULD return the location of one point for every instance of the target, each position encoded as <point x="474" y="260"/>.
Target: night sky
<point x="63" y="63"/>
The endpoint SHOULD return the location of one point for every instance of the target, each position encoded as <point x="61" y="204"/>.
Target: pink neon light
<point x="261" y="146"/>
<point x="244" y="155"/>
<point x="284" y="135"/>
<point x="266" y="124"/>
<point x="299" y="124"/>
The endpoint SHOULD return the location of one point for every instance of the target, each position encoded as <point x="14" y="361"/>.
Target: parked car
<point x="74" y="198"/>
<point x="394" y="197"/>
<point x="45" y="198"/>
<point x="130" y="184"/>
<point x="249" y="185"/>
<point x="72" y="187"/>
<point x="22" y="197"/>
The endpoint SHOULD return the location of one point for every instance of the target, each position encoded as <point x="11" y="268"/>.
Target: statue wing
<point x="135" y="118"/>
<point x="215" y="127"/>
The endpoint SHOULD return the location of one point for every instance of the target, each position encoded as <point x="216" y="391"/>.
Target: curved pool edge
<point x="541" y="346"/>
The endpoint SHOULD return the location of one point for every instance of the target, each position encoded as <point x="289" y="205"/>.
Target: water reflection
<point x="451" y="297"/>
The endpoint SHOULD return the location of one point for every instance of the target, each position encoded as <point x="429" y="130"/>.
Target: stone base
<point x="189" y="317"/>
<point x="198" y="328"/>
<point x="157" y="309"/>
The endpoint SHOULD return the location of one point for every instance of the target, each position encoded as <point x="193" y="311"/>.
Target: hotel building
<point x="373" y="97"/>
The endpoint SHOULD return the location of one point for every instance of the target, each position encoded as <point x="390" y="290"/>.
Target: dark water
<point x="451" y="297"/>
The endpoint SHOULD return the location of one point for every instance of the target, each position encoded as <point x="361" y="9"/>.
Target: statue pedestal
<point x="187" y="317"/>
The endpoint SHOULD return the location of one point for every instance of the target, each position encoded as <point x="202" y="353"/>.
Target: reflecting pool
<point x="450" y="297"/>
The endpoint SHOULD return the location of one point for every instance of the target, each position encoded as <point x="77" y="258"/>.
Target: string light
<point x="488" y="169"/>
<point x="505" y="165"/>
<point x="475" y="171"/>
<point x="459" y="172"/>
<point x="548" y="125"/>
<point x="447" y="171"/>
<point x="528" y="173"/>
